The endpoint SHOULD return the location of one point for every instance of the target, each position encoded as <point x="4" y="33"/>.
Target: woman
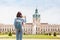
<point x="18" y="22"/>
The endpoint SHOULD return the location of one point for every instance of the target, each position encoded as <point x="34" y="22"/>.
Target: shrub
<point x="10" y="34"/>
<point x="13" y="33"/>
<point x="24" y="33"/>
<point x="57" y="33"/>
<point x="49" y="34"/>
<point x="54" y="34"/>
<point x="46" y="34"/>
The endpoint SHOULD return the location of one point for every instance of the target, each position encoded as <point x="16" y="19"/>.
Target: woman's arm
<point x="22" y="24"/>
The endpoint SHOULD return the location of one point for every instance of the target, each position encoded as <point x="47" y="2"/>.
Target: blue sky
<point x="48" y="9"/>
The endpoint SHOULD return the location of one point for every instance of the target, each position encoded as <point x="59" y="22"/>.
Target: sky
<point x="49" y="10"/>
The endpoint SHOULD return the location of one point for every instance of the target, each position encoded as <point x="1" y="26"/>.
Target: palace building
<point x="36" y="27"/>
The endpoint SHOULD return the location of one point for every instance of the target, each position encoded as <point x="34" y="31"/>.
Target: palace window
<point x="48" y="29"/>
<point x="36" y="28"/>
<point x="3" y="29"/>
<point x="41" y="29"/>
<point x="31" y="29"/>
<point x="0" y="30"/>
<point x="24" y="29"/>
<point x="58" y="29"/>
<point x="28" y="29"/>
<point x="55" y="30"/>
<point x="51" y="29"/>
<point x="10" y="29"/>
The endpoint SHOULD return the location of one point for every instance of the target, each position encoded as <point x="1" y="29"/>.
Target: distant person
<point x="18" y="23"/>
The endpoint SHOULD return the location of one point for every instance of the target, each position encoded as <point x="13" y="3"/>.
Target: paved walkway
<point x="31" y="39"/>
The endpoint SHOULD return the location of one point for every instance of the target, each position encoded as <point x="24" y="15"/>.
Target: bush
<point x="10" y="34"/>
<point x="46" y="34"/>
<point x="57" y="33"/>
<point x="54" y="34"/>
<point x="13" y="33"/>
<point x="49" y="34"/>
<point x="24" y="33"/>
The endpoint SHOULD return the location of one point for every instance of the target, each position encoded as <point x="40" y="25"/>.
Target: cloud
<point x="51" y="15"/>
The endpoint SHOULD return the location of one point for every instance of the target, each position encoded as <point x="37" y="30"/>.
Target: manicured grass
<point x="6" y="36"/>
<point x="41" y="36"/>
<point x="32" y="36"/>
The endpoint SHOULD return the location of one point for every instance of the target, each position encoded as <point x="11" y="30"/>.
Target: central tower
<point x="36" y="20"/>
<point x="36" y="17"/>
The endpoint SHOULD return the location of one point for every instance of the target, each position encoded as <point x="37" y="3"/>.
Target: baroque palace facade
<point x="32" y="28"/>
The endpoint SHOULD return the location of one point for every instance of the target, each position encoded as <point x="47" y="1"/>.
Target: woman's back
<point x="18" y="23"/>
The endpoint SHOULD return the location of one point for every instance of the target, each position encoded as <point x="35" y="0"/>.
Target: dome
<point x="36" y="15"/>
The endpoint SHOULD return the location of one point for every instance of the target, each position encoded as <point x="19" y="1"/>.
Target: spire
<point x="36" y="10"/>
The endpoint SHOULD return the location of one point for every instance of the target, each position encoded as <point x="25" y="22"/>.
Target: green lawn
<point x="40" y="36"/>
<point x="32" y="36"/>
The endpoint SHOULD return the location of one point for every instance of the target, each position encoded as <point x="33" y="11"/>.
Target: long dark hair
<point x="19" y="14"/>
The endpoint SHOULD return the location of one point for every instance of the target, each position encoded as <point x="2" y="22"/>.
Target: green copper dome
<point x="36" y="15"/>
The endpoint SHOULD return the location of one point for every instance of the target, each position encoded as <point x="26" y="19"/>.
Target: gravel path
<point x="31" y="39"/>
